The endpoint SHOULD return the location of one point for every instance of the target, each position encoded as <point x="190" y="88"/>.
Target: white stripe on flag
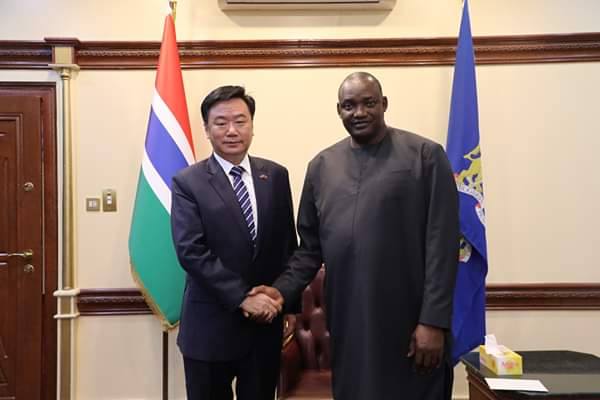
<point x="168" y="120"/>
<point x="160" y="188"/>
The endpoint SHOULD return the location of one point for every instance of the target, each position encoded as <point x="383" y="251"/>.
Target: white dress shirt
<point x="246" y="178"/>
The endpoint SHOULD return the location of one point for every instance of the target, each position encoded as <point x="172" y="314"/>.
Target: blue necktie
<point x="243" y="197"/>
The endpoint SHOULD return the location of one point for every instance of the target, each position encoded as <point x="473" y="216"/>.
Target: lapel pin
<point x="263" y="177"/>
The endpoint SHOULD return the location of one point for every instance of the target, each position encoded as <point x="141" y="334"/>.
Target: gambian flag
<point x="168" y="148"/>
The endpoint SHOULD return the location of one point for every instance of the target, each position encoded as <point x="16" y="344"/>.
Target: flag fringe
<point x="166" y="325"/>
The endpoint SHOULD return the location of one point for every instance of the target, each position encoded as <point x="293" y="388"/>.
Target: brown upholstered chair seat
<point x="305" y="361"/>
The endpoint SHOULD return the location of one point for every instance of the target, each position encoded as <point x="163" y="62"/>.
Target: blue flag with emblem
<point x="468" y="320"/>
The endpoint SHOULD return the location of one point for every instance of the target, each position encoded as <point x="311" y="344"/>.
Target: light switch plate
<point x="109" y="200"/>
<point x="92" y="204"/>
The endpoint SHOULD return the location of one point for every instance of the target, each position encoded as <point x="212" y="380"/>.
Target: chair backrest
<point x="311" y="328"/>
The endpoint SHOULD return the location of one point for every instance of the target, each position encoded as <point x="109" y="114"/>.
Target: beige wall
<point x="540" y="183"/>
<point x="539" y="128"/>
<point x="202" y="19"/>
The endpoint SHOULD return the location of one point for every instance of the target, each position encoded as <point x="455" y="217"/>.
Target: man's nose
<point x="231" y="129"/>
<point x="360" y="111"/>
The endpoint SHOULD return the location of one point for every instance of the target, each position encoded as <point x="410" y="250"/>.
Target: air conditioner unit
<point x="307" y="4"/>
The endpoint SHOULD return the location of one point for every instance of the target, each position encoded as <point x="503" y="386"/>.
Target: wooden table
<point x="566" y="374"/>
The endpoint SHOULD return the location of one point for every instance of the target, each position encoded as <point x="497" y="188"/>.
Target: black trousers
<point x="256" y="375"/>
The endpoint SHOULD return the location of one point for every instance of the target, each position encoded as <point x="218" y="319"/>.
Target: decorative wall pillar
<point x="63" y="62"/>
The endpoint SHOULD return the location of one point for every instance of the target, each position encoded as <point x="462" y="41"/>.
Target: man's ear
<point x="339" y="110"/>
<point x="384" y="102"/>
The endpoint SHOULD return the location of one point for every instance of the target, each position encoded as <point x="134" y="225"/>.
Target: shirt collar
<point x="226" y="165"/>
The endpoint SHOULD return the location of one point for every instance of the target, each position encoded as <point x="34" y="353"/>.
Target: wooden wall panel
<point x="112" y="302"/>
<point x="538" y="296"/>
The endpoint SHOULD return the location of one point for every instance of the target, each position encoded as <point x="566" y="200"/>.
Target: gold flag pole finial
<point x="173" y="5"/>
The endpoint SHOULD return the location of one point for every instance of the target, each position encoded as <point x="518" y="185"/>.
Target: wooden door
<point x="24" y="303"/>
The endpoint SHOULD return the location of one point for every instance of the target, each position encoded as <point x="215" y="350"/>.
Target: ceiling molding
<point x="223" y="54"/>
<point x="25" y="55"/>
<point x="343" y="52"/>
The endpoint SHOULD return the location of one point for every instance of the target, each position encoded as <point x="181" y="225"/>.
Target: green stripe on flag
<point x="153" y="258"/>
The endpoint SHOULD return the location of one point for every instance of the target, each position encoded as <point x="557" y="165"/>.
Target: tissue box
<point x="507" y="362"/>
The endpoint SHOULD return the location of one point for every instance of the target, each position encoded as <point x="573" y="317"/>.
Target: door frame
<point x="47" y="91"/>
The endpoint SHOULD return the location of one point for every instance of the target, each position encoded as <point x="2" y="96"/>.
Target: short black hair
<point x="361" y="75"/>
<point x="224" y="93"/>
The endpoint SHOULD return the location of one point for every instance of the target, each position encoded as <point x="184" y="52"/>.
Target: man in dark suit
<point x="232" y="225"/>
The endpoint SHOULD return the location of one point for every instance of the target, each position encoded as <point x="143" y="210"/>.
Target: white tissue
<point x="492" y="347"/>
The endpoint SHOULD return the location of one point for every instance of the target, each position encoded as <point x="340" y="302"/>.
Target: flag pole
<point x="165" y="334"/>
<point x="165" y="364"/>
<point x="173" y="5"/>
<point x="155" y="268"/>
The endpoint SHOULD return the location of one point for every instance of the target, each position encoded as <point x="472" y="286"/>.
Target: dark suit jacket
<point x="215" y="249"/>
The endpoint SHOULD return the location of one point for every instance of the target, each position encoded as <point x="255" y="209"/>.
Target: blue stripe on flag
<point x="163" y="151"/>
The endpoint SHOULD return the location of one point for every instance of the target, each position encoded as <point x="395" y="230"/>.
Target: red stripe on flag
<point x="169" y="82"/>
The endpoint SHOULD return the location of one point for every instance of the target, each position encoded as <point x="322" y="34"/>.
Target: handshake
<point x="262" y="304"/>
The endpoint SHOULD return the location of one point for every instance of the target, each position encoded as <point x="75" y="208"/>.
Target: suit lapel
<point x="262" y="189"/>
<point x="222" y="186"/>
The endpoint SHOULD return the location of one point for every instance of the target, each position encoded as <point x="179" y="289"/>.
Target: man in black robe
<point x="380" y="210"/>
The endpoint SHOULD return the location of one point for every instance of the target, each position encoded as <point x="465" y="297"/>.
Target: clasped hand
<point x="262" y="304"/>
